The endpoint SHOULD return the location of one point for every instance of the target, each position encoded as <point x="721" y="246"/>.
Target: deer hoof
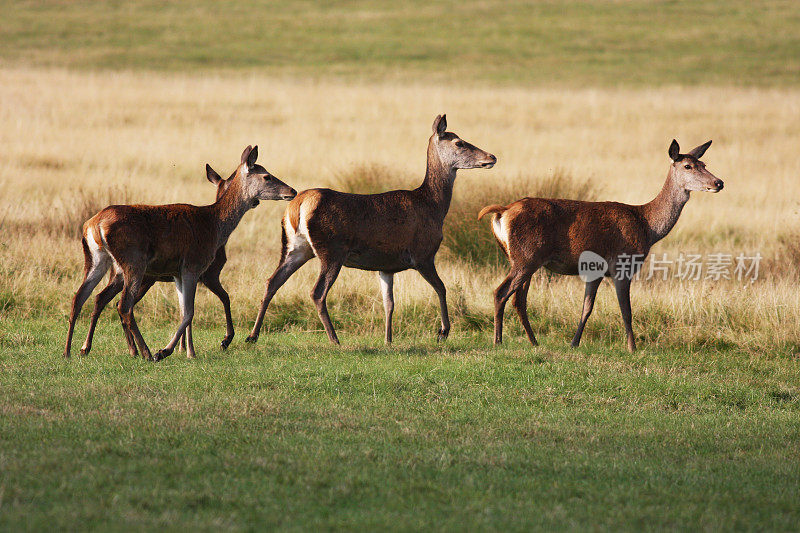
<point x="226" y="342"/>
<point x="160" y="355"/>
<point x="251" y="339"/>
<point x="442" y="335"/>
<point x="86" y="350"/>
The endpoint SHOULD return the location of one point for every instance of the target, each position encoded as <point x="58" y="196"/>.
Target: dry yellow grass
<point x="68" y="139"/>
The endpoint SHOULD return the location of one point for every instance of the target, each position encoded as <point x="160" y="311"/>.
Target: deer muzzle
<point x="488" y="162"/>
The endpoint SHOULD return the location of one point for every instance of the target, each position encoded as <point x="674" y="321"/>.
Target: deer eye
<point x="687" y="167"/>
<point x="460" y="144"/>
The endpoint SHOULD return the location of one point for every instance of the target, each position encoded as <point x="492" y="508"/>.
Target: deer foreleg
<point x="387" y="290"/>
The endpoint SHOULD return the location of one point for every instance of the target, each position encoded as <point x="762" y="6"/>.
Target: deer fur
<point x="180" y="241"/>
<point x="387" y="232"/>
<point x="550" y="233"/>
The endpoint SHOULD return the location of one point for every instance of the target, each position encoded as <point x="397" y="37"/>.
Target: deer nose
<point x="490" y="161"/>
<point x="719" y="184"/>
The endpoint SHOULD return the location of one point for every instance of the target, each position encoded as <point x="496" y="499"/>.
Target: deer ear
<point x="252" y="156"/>
<point x="440" y="125"/>
<point x="212" y="175"/>
<point x="246" y="153"/>
<point x="698" y="152"/>
<point x="674" y="150"/>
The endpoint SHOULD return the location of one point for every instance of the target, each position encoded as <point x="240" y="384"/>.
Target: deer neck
<point x="438" y="184"/>
<point x="663" y="211"/>
<point x="229" y="210"/>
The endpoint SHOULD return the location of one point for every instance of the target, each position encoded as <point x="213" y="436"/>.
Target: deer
<point x="388" y="232"/>
<point x="210" y="279"/>
<point x="176" y="240"/>
<point x="554" y="233"/>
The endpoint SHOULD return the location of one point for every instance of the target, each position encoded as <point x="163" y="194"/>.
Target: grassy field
<point x="564" y="43"/>
<point x="118" y="102"/>
<point x="294" y="434"/>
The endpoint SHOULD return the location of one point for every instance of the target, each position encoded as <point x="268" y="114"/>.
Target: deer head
<point x="455" y="152"/>
<point x="689" y="172"/>
<point x="257" y="183"/>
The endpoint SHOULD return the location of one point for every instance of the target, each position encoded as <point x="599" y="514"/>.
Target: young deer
<point x="210" y="279"/>
<point x="387" y="232"/>
<point x="177" y="240"/>
<point x="535" y="232"/>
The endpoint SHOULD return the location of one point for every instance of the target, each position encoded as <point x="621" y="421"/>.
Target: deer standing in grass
<point x="178" y="240"/>
<point x="387" y="232"/>
<point x="210" y="279"/>
<point x="536" y="232"/>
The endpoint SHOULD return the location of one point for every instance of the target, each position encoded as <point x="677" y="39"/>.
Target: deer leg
<point x="327" y="275"/>
<point x="96" y="265"/>
<point x="429" y="274"/>
<point x="213" y="284"/>
<point x="187" y="339"/>
<point x="588" y="305"/>
<point x="288" y="266"/>
<point x="623" y="287"/>
<point x="387" y="290"/>
<point x="100" y="302"/>
<point x="146" y="283"/>
<point x="188" y="290"/>
<point x="182" y="342"/>
<point x="133" y="281"/>
<point x="515" y="279"/>
<point x="521" y="305"/>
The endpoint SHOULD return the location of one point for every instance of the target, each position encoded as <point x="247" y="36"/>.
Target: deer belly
<point x="562" y="268"/>
<point x="376" y="260"/>
<point x="164" y="268"/>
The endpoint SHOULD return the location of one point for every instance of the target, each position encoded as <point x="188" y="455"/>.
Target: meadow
<point x="125" y="103"/>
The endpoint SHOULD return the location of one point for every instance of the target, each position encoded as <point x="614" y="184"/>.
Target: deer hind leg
<point x="115" y="284"/>
<point x="187" y="293"/>
<point x="520" y="303"/>
<point x="96" y="263"/>
<point x="588" y="305"/>
<point x="133" y="283"/>
<point x="510" y="285"/>
<point x="623" y="287"/>
<point x="329" y="271"/>
<point x="429" y="274"/>
<point x="387" y="290"/>
<point x="214" y="285"/>
<point x="298" y="252"/>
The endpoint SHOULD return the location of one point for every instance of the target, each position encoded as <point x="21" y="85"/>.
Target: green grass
<point x="295" y="434"/>
<point x="573" y="42"/>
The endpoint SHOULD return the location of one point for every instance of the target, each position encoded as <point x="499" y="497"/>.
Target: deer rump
<point x="555" y="231"/>
<point x="386" y="232"/>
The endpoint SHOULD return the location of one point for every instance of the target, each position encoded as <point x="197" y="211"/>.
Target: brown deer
<point x="210" y="279"/>
<point x="177" y="240"/>
<point x="536" y="232"/>
<point x="387" y="232"/>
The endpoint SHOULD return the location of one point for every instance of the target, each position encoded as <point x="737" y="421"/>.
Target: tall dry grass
<point x="71" y="142"/>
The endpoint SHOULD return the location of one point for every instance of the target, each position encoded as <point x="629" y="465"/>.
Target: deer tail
<point x="494" y="209"/>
